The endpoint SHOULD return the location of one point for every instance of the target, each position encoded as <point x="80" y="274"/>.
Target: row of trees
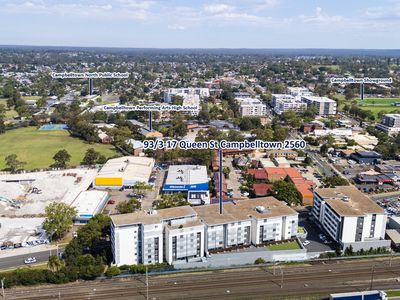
<point x="61" y="160"/>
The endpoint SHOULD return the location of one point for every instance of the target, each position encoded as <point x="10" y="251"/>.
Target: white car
<point x="30" y="260"/>
<point x="305" y="243"/>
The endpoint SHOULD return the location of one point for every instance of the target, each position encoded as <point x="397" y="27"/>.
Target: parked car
<point x="111" y="201"/>
<point x="305" y="243"/>
<point x="30" y="260"/>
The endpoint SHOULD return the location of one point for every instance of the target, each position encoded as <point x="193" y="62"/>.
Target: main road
<point x="272" y="282"/>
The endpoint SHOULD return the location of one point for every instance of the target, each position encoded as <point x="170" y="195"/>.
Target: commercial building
<point x="251" y="107"/>
<point x="350" y="217"/>
<point x="88" y="204"/>
<point x="172" y="92"/>
<point x="124" y="172"/>
<point x="390" y="124"/>
<point x="323" y="105"/>
<point x="366" y="157"/>
<point x="183" y="234"/>
<point x="189" y="179"/>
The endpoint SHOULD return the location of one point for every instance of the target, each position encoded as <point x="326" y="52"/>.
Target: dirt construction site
<point x="28" y="194"/>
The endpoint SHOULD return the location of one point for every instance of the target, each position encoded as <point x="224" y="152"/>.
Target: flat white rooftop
<point x="89" y="203"/>
<point x="319" y="99"/>
<point x="186" y="174"/>
<point x="128" y="168"/>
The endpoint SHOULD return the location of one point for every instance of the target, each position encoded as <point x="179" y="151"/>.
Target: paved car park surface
<point x="313" y="232"/>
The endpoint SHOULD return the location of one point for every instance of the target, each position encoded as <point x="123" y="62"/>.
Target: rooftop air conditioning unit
<point x="260" y="209"/>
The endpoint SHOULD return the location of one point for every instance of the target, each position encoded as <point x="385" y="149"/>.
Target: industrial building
<point x="88" y="204"/>
<point x="188" y="179"/>
<point x="124" y="172"/>
<point x="185" y="233"/>
<point x="350" y="217"/>
<point x="366" y="157"/>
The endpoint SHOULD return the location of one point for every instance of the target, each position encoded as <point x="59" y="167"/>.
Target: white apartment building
<point x="192" y="100"/>
<point x="276" y="97"/>
<point x="251" y="107"/>
<point x="324" y="106"/>
<point x="170" y="93"/>
<point x="187" y="233"/>
<point x="350" y="217"/>
<point x="390" y="124"/>
<point x="282" y="105"/>
<point x="299" y="92"/>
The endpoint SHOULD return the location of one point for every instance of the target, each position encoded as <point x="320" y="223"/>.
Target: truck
<point x="366" y="295"/>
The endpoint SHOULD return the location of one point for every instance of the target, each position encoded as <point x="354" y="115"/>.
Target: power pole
<point x="281" y="277"/>
<point x="147" y="284"/>
<point x="2" y="287"/>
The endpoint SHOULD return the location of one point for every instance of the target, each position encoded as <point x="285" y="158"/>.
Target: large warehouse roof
<point x="128" y="168"/>
<point x="181" y="177"/>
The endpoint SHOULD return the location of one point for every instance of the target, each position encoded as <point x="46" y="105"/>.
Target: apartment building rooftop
<point x="260" y="208"/>
<point x="142" y="217"/>
<point x="349" y="201"/>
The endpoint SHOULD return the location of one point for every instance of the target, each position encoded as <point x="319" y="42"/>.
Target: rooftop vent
<point x="346" y="198"/>
<point x="261" y="209"/>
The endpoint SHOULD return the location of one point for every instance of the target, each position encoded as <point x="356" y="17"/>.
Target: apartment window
<point x="149" y="256"/>
<point x="174" y="248"/>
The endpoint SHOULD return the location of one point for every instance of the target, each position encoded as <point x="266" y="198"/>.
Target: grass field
<point x="293" y="245"/>
<point x="375" y="105"/>
<point x="37" y="148"/>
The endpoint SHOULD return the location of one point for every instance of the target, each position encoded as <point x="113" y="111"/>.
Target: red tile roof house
<point x="258" y="174"/>
<point x="262" y="189"/>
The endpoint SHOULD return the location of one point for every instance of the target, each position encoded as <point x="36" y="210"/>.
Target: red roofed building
<point x="305" y="193"/>
<point x="293" y="174"/>
<point x="262" y="189"/>
<point x="258" y="174"/>
<point x="275" y="174"/>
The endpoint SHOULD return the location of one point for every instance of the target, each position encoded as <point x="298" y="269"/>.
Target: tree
<point x="126" y="207"/>
<point x="259" y="260"/>
<point x="171" y="200"/>
<point x="13" y="163"/>
<point x="285" y="191"/>
<point x="113" y="271"/>
<point x="2" y="116"/>
<point x="55" y="263"/>
<point x="61" y="158"/>
<point x="307" y="161"/>
<point x="335" y="181"/>
<point x="91" y="157"/>
<point x="59" y="219"/>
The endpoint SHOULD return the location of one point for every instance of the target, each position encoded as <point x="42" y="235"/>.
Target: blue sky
<point x="202" y="23"/>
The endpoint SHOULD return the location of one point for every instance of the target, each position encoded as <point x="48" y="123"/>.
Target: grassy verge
<point x="292" y="245"/>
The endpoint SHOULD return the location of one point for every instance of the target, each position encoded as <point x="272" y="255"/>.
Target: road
<point x="274" y="282"/>
<point x="13" y="261"/>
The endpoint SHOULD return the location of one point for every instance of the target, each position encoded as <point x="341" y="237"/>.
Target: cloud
<point x="218" y="8"/>
<point x="176" y="27"/>
<point x="319" y="17"/>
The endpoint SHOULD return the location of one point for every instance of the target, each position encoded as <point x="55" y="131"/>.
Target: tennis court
<point x="54" y="127"/>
